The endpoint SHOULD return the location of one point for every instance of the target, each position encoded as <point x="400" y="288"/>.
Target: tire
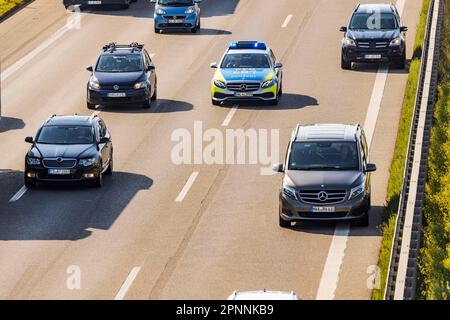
<point x="125" y="6"/>
<point x="345" y="65"/>
<point x="155" y="94"/>
<point x="90" y="106"/>
<point x="215" y="102"/>
<point x="110" y="169"/>
<point x="280" y="93"/>
<point x="98" y="183"/>
<point x="194" y="29"/>
<point x="199" y="24"/>
<point x="284" y="223"/>
<point x="275" y="101"/>
<point x="30" y="183"/>
<point x="364" y="221"/>
<point x="157" y="30"/>
<point x="401" y="63"/>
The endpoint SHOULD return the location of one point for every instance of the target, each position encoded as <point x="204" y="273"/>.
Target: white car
<point x="263" y="295"/>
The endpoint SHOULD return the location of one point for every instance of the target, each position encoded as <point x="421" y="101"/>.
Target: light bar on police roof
<point x="248" y="45"/>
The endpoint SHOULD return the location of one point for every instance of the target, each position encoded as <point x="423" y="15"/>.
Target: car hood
<point x="173" y="10"/>
<point x="373" y="34"/>
<point x="327" y="179"/>
<point x="237" y="74"/>
<point x="109" y="78"/>
<point x="63" y="151"/>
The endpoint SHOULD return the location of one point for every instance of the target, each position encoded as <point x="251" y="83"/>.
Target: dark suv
<point x="374" y="34"/>
<point x="326" y="175"/>
<point x="69" y="148"/>
<point x="124" y="74"/>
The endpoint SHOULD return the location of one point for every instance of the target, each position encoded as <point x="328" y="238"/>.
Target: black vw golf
<point x="124" y="74"/>
<point x="69" y="148"/>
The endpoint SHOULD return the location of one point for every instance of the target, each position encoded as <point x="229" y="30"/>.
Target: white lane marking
<point x="187" y="187"/>
<point x="230" y="115"/>
<point x="286" y="21"/>
<point x="19" y="194"/>
<point x="375" y="103"/>
<point x="335" y="258"/>
<point x="127" y="284"/>
<point x="27" y="58"/>
<point x="328" y="283"/>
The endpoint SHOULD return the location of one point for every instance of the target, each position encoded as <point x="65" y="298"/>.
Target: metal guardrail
<point x="403" y="264"/>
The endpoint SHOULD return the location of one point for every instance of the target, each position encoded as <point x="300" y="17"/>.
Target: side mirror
<point x="90" y="69"/>
<point x="213" y="65"/>
<point x="29" y="139"/>
<point x="197" y="1"/>
<point x="151" y="67"/>
<point x="370" y="167"/>
<point x="403" y="29"/>
<point x="343" y="29"/>
<point x="278" y="65"/>
<point x="103" y="140"/>
<point x="278" y="167"/>
<point x="152" y="1"/>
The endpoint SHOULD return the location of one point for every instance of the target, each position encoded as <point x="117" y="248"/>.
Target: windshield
<point x="324" y="156"/>
<point x="245" y="60"/>
<point x="373" y="21"/>
<point x="180" y="3"/>
<point x="119" y="63"/>
<point x="66" y="135"/>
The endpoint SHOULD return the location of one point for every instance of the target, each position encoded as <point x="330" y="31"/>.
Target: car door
<point x="151" y="75"/>
<point x="277" y="70"/>
<point x="104" y="148"/>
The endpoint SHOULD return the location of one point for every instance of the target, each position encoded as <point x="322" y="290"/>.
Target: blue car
<point x="177" y="15"/>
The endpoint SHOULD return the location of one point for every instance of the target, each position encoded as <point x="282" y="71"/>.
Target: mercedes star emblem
<point x="323" y="196"/>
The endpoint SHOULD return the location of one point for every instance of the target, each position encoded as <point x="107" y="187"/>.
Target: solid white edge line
<point x="286" y="21"/>
<point x="229" y="116"/>
<point x="127" y="284"/>
<point x="19" y="194"/>
<point x="187" y="187"/>
<point x="330" y="274"/>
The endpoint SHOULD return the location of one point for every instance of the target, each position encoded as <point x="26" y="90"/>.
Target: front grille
<point x="63" y="163"/>
<point x="121" y="87"/>
<point x="373" y="44"/>
<point x="322" y="215"/>
<point x="322" y="196"/>
<point x="175" y="17"/>
<point x="243" y="86"/>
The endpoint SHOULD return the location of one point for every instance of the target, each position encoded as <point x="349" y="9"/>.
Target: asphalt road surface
<point x="223" y="235"/>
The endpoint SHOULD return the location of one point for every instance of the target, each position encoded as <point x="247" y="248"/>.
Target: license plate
<point x="58" y="171"/>
<point x="372" y="56"/>
<point x="94" y="2"/>
<point x="175" y="21"/>
<point x="244" y="94"/>
<point x="323" y="209"/>
<point x="117" y="94"/>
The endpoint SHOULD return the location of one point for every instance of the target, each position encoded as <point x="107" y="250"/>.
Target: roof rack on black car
<point x="113" y="46"/>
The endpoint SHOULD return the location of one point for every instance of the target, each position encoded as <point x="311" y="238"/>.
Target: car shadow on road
<point x="288" y="101"/>
<point x="373" y="67"/>
<point x="67" y="211"/>
<point x="7" y="124"/>
<point x="328" y="228"/>
<point x="201" y="32"/>
<point x="158" y="106"/>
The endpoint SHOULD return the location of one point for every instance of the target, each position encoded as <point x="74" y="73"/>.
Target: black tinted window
<point x="66" y="135"/>
<point x="324" y="156"/>
<point x="373" y="21"/>
<point x="119" y="63"/>
<point x="245" y="60"/>
<point x="176" y="2"/>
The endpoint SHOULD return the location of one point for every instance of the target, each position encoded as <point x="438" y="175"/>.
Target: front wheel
<point x="157" y="30"/>
<point x="30" y="183"/>
<point x="155" y="94"/>
<point x="109" y="171"/>
<point x="90" y="106"/>
<point x="346" y="65"/>
<point x="194" y="29"/>
<point x="364" y="220"/>
<point x="275" y="101"/>
<point x="215" y="102"/>
<point x="98" y="183"/>
<point x="284" y="223"/>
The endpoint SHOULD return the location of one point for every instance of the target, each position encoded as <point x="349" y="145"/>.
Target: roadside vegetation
<point x="398" y="161"/>
<point x="434" y="259"/>
<point x="7" y="5"/>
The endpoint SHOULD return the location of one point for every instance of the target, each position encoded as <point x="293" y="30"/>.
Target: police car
<point x="248" y="71"/>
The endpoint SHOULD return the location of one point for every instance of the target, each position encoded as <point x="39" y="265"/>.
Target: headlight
<point x="140" y="85"/>
<point x="189" y="10"/>
<point x="354" y="192"/>
<point x="396" y="42"/>
<point x="220" y="84"/>
<point x="348" y="42"/>
<point x="87" y="162"/>
<point x="33" y="161"/>
<point x="160" y="11"/>
<point x="268" y="83"/>
<point x="93" y="83"/>
<point x="290" y="192"/>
